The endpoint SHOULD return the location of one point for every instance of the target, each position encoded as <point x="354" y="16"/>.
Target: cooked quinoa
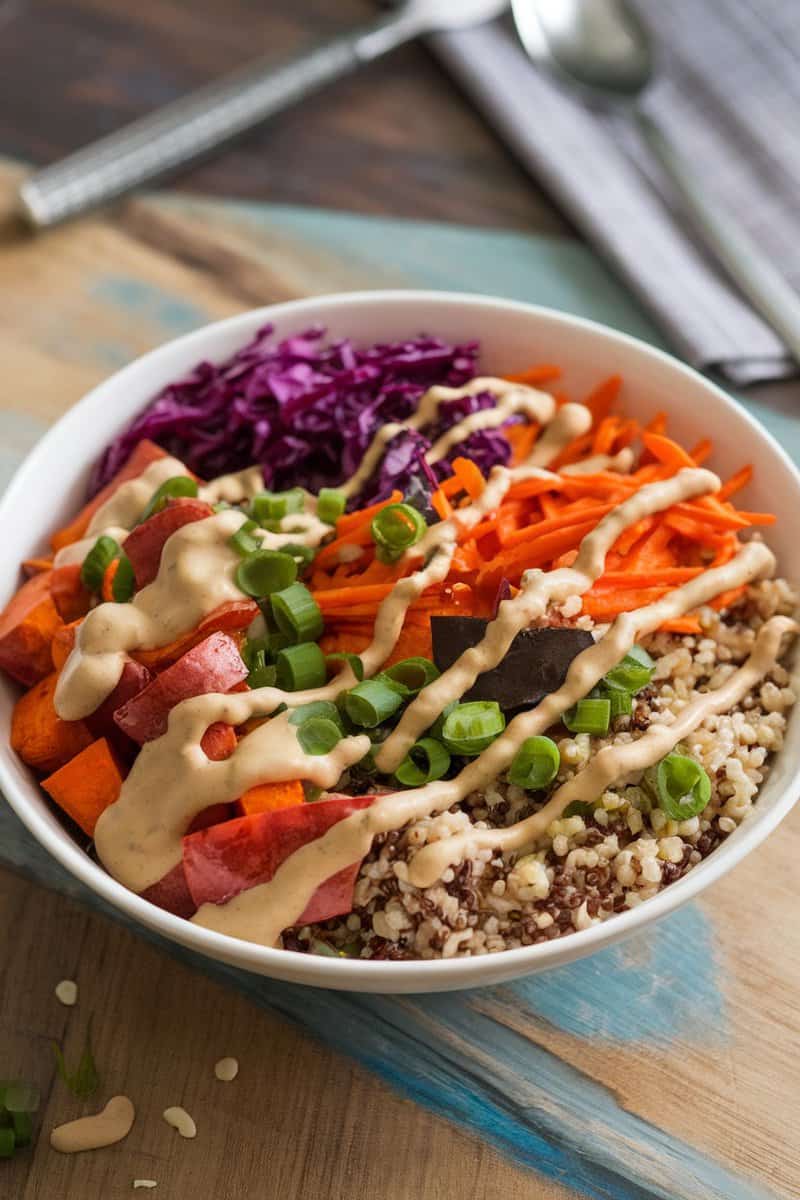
<point x="587" y="867"/>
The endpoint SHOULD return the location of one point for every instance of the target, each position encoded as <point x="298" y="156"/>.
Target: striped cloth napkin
<point x="728" y="94"/>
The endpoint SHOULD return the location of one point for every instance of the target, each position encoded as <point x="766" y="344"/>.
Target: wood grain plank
<point x="397" y="138"/>
<point x="299" y="1119"/>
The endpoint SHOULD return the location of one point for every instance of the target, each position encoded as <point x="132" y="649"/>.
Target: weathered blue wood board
<point x="544" y="1069"/>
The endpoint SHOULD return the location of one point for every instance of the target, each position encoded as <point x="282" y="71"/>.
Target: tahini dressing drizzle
<point x="263" y="912"/>
<point x="139" y="837"/>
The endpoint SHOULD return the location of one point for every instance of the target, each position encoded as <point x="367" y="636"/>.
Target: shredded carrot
<point x="736" y="482"/>
<point x="601" y="400"/>
<point x="522" y="438"/>
<point x="658" y="424"/>
<point x="107" y="586"/>
<point x="701" y="451"/>
<point x="470" y="477"/>
<point x="441" y="504"/>
<point x="538" y="374"/>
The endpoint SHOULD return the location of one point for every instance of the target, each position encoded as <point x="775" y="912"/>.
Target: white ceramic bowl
<point x="50" y="484"/>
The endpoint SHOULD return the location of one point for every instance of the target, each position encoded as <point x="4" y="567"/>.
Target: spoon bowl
<point x="601" y="47"/>
<point x="603" y="52"/>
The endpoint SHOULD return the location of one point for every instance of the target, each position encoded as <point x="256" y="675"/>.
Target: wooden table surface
<point x="301" y="1121"/>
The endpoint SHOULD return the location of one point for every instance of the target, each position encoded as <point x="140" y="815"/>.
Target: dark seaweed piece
<point x="535" y="665"/>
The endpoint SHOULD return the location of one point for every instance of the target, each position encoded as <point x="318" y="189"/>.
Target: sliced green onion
<point x="426" y="761"/>
<point x="264" y="572"/>
<point x="269" y="507"/>
<point x="411" y="675"/>
<point x="316" y="708"/>
<point x="7" y="1142"/>
<point x="621" y="702"/>
<point x="634" y="672"/>
<point x="352" y="660"/>
<point x="243" y="541"/>
<point x="349" y="949"/>
<point x="277" y="641"/>
<point x="579" y="808"/>
<point x="101" y="556"/>
<point x="300" y="667"/>
<point x="682" y="786"/>
<point x="171" y="489"/>
<point x="394" y="529"/>
<point x="330" y="505"/>
<point x="318" y="735"/>
<point x="437" y="728"/>
<point x="297" y="613"/>
<point x="589" y="716"/>
<point x="123" y="584"/>
<point x="371" y="703"/>
<point x="535" y="764"/>
<point x="84" y="1080"/>
<point x="251" y="648"/>
<point x="261" y="673"/>
<point x="18" y="1096"/>
<point x="303" y="555"/>
<point x="472" y="727"/>
<point x="23" y="1128"/>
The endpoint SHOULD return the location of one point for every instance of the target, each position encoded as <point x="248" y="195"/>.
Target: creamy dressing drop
<point x="570" y="422"/>
<point x="126" y="505"/>
<point x="105" y="1128"/>
<point x="622" y="462"/>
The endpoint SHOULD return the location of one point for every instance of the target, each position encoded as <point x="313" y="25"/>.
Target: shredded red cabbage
<point x="306" y="411"/>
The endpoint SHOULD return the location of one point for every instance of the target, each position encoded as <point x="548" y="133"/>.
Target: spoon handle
<point x="739" y="254"/>
<point x="195" y="124"/>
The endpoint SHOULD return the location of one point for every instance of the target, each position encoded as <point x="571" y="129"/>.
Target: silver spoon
<point x="190" y="127"/>
<point x="600" y="48"/>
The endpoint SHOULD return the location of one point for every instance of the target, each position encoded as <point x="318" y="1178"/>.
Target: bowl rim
<point x="403" y="975"/>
